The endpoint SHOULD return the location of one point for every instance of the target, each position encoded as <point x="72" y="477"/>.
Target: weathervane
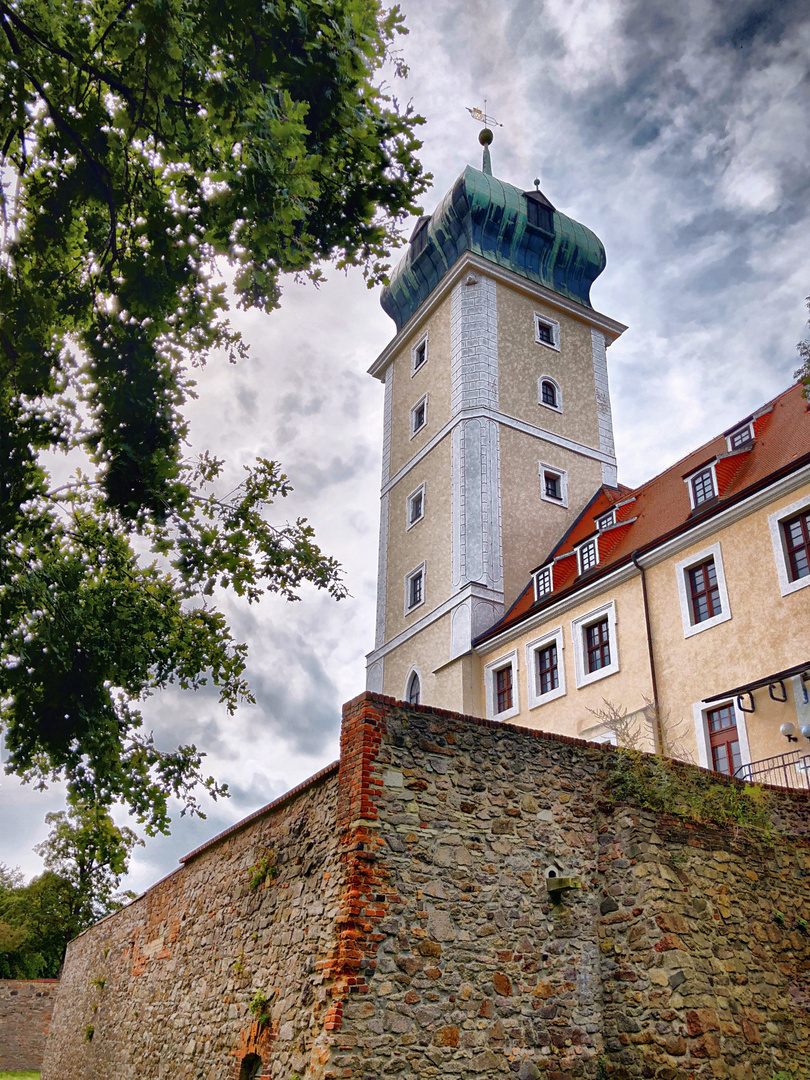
<point x="485" y="135"/>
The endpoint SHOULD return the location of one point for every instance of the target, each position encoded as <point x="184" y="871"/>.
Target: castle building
<point x="518" y="580"/>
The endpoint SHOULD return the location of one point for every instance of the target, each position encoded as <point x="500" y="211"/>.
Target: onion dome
<point x="518" y="230"/>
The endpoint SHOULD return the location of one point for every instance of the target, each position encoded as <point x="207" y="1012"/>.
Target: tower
<point x="497" y="424"/>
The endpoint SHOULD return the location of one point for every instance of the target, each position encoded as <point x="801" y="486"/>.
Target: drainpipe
<point x="658" y="726"/>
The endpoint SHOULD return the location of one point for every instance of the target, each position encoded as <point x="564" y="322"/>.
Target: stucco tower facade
<point x="497" y="425"/>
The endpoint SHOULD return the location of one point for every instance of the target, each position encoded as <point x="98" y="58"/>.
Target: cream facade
<point x="498" y="451"/>
<point x="667" y="669"/>
<point x="471" y="451"/>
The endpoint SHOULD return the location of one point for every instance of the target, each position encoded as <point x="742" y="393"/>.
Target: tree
<point x="87" y="849"/>
<point x="36" y="923"/>
<point x="144" y="142"/>
<point x="803" y="349"/>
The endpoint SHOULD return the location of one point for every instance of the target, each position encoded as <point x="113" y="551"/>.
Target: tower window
<point x="553" y="485"/>
<point x="419" y="415"/>
<point x="415" y="589"/>
<point x="414" y="689"/>
<point x="416" y="506"/>
<point x="546" y="331"/>
<point x="419" y="355"/>
<point x="549" y="394"/>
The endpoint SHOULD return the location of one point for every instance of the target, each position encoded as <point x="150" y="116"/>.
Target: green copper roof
<point x="486" y="216"/>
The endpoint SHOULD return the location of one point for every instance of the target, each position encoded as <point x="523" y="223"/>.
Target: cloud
<point x="680" y="134"/>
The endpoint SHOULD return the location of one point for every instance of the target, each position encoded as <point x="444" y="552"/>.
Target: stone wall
<point x="409" y="930"/>
<point x="26" y="1008"/>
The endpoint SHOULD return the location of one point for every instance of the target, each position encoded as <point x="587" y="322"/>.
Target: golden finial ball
<point x="485" y="136"/>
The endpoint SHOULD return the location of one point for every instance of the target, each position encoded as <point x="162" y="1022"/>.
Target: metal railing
<point x="791" y="770"/>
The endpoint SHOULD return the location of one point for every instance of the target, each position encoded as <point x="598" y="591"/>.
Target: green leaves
<point x="148" y="139"/>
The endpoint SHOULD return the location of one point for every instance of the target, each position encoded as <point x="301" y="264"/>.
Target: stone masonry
<point x="26" y="1008"/>
<point x="396" y="915"/>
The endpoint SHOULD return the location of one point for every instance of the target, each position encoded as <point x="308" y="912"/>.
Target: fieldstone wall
<point x="410" y="929"/>
<point x="163" y="988"/>
<point x="26" y="1008"/>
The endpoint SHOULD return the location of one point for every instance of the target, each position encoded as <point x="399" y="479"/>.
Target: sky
<point x="679" y="133"/>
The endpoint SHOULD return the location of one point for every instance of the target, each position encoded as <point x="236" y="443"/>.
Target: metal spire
<point x="485" y="135"/>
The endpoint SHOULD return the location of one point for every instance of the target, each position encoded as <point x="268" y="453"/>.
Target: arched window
<point x="414" y="689"/>
<point x="549" y="394"/>
<point x="251" y="1067"/>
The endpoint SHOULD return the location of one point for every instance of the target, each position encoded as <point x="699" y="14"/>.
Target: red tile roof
<point x="661" y="508"/>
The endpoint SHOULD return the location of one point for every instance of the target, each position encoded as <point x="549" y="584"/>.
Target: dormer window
<point x="543" y="582"/>
<point x="604" y="521"/>
<point x="702" y="487"/>
<point x="588" y="555"/>
<point x="419" y="236"/>
<point x="741" y="437"/>
<point x="539" y="211"/>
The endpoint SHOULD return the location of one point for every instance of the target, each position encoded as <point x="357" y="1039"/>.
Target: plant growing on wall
<point x="264" y="870"/>
<point x="258" y="1006"/>
<point x="671" y="787"/>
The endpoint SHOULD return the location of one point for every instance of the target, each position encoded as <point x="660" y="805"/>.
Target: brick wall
<point x="410" y="932"/>
<point x="25" y="1016"/>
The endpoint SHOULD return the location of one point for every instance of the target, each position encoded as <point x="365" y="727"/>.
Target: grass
<point x="19" y="1076"/>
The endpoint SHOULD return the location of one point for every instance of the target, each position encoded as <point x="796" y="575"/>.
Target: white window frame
<point x="775" y="520"/>
<point x="749" y="427"/>
<point x="423" y="340"/>
<point x="414" y="671"/>
<point x="581" y="547"/>
<point x="578" y="628"/>
<point x="682" y="569"/>
<point x="549" y="324"/>
<point x="423" y="400"/>
<point x="544" y="467"/>
<point x="606" y="520"/>
<point x="541" y="572"/>
<point x="553" y="637"/>
<point x="409" y="522"/>
<point x="712" y="467"/>
<point x="699" y="710"/>
<point x="421" y="569"/>
<point x="548" y="378"/>
<point x="490" y="670"/>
